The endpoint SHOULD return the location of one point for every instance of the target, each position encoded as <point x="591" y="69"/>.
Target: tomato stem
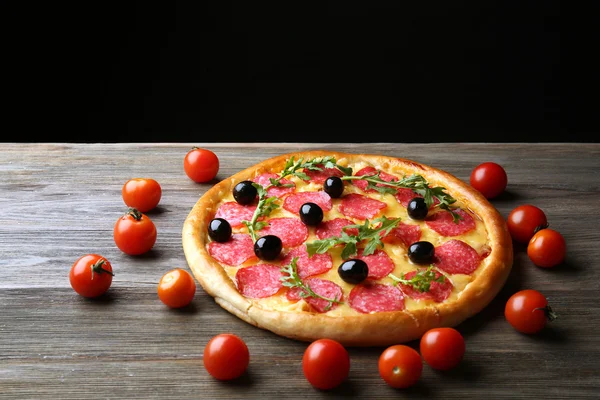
<point x="135" y="213"/>
<point x="97" y="268"/>
<point x="551" y="315"/>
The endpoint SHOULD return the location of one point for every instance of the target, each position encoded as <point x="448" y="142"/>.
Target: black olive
<point x="311" y="214"/>
<point x="421" y="252"/>
<point x="268" y="247"/>
<point x="244" y="193"/>
<point x="219" y="230"/>
<point x="417" y="209"/>
<point x="333" y="186"/>
<point x="353" y="271"/>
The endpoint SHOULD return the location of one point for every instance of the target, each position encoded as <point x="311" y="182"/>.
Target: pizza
<point x="365" y="249"/>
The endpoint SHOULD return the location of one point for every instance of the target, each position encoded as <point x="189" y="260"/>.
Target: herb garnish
<point x="291" y="279"/>
<point x="265" y="206"/>
<point x="415" y="182"/>
<point x="296" y="168"/>
<point x="371" y="232"/>
<point x="421" y="281"/>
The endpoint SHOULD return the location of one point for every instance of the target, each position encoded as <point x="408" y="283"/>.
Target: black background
<point x="347" y="71"/>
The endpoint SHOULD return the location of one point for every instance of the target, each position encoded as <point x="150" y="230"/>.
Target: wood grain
<point x="60" y="201"/>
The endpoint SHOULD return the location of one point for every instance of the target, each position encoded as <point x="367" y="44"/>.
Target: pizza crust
<point x="376" y="329"/>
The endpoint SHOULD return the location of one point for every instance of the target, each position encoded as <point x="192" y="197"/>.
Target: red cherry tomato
<point x="442" y="348"/>
<point x="547" y="248"/>
<point x="226" y="356"/>
<point x="489" y="179"/>
<point x="177" y="288"/>
<point x="524" y="221"/>
<point x="134" y="233"/>
<point x="201" y="165"/>
<point x="528" y="311"/>
<point x="91" y="275"/>
<point x="141" y="193"/>
<point x="325" y="364"/>
<point x="400" y="366"/>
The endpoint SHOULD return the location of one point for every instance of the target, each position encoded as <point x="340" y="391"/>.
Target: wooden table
<point x="60" y="201"/>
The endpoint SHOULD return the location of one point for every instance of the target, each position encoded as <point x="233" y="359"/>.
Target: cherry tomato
<point x="489" y="179"/>
<point x="528" y="311"/>
<point x="201" y="165"/>
<point x="400" y="366"/>
<point x="141" y="193"/>
<point x="91" y="275"/>
<point x="442" y="348"/>
<point x="524" y="221"/>
<point x="226" y="356"/>
<point x="134" y="233"/>
<point x="177" y="288"/>
<point x="326" y="364"/>
<point x="547" y="248"/>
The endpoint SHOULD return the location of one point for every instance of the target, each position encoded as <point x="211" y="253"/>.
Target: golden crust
<point x="376" y="329"/>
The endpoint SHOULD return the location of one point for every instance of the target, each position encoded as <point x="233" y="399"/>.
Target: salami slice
<point x="443" y="223"/>
<point x="321" y="176"/>
<point x="456" y="257"/>
<point x="259" y="281"/>
<point x="370" y="171"/>
<point x="438" y="291"/>
<point x="403" y="233"/>
<point x="333" y="228"/>
<point x="376" y="297"/>
<point x="275" y="191"/>
<point x="291" y="231"/>
<point x="308" y="266"/>
<point x="235" y="213"/>
<point x="235" y="251"/>
<point x="405" y="195"/>
<point x="356" y="205"/>
<point x="322" y="287"/>
<point x="379" y="263"/>
<point x="293" y="202"/>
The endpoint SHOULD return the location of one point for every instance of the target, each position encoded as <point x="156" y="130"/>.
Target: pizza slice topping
<point x="293" y="202"/>
<point x="237" y="250"/>
<point x="284" y="187"/>
<point x="358" y="206"/>
<point x="368" y="234"/>
<point x="443" y="222"/>
<point x="334" y="228"/>
<point x="371" y="171"/>
<point x="425" y="284"/>
<point x="379" y="263"/>
<point x="235" y="213"/>
<point x="259" y="281"/>
<point x="292" y="280"/>
<point x="308" y="266"/>
<point x="325" y="289"/>
<point x="376" y="297"/>
<point x="456" y="257"/>
<point x="319" y="176"/>
<point x="291" y="231"/>
<point x="405" y="234"/>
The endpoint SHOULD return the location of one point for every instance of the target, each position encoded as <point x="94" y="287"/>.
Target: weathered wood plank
<point x="60" y="201"/>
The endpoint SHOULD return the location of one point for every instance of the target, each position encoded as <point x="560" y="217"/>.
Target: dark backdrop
<point x="356" y="71"/>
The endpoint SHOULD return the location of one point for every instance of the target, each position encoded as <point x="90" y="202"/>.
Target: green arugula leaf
<point x="296" y="168"/>
<point x="421" y="281"/>
<point x="291" y="279"/>
<point x="266" y="205"/>
<point x="417" y="183"/>
<point x="370" y="232"/>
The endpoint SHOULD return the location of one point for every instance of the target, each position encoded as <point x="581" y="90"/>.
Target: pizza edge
<point x="376" y="329"/>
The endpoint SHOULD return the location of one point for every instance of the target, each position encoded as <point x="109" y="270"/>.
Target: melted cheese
<point x="476" y="238"/>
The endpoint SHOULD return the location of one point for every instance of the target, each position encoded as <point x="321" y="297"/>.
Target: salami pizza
<point x="366" y="249"/>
